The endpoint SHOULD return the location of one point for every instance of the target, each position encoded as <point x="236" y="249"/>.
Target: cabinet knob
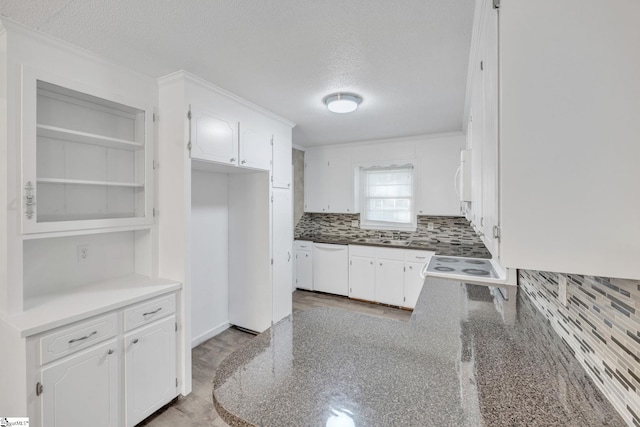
<point x="307" y="256"/>
<point x="410" y="267"/>
<point x="289" y="185"/>
<point x="371" y="262"/>
<point x="135" y="341"/>
<point x="233" y="159"/>
<point x="380" y="263"/>
<point x="110" y="351"/>
<point x="243" y="162"/>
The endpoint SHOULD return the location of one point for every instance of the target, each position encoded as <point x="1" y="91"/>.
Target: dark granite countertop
<point x="440" y="248"/>
<point x="467" y="357"/>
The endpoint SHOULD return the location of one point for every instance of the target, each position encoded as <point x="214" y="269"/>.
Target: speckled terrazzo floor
<point x="466" y="357"/>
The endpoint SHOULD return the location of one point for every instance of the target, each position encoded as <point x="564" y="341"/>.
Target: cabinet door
<point x="315" y="184"/>
<point x="490" y="131"/>
<point x="281" y="168"/>
<point x="213" y="137"/>
<point x="150" y="369"/>
<point x="362" y="273"/>
<point x="255" y="147"/>
<point x="282" y="242"/>
<point x="83" y="389"/>
<point x="304" y="270"/>
<point x="412" y="283"/>
<point x="389" y="282"/>
<point x="438" y="162"/>
<point x="341" y="185"/>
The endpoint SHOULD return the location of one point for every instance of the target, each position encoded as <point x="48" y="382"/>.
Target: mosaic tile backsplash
<point x="445" y="229"/>
<point x="601" y="327"/>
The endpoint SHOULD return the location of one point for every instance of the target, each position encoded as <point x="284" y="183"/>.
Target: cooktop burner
<point x="461" y="267"/>
<point x="475" y="271"/>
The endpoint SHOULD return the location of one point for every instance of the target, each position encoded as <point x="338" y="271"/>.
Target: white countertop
<point x="53" y="310"/>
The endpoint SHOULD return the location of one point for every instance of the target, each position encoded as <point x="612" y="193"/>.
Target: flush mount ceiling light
<point x="342" y="102"/>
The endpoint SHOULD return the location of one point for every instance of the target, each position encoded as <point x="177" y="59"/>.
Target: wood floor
<point x="197" y="409"/>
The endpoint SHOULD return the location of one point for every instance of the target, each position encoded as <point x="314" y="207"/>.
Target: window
<point x="387" y="198"/>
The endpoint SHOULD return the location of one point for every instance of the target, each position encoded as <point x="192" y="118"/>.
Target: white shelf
<point x="88" y="182"/>
<point x="87" y="138"/>
<point x="53" y="310"/>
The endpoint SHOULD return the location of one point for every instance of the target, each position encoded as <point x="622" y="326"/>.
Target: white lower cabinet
<point x="149" y="368"/>
<point x="362" y="273"/>
<point x="387" y="276"/>
<point x="83" y="389"/>
<point x="304" y="265"/>
<point x="412" y="283"/>
<point x="82" y="380"/>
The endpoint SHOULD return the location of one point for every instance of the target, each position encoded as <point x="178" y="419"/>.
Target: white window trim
<point x="383" y="225"/>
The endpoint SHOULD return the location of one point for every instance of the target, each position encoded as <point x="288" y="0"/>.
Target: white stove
<point x="469" y="270"/>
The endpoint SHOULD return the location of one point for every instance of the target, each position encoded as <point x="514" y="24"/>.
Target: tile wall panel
<point x="445" y="229"/>
<point x="601" y="327"/>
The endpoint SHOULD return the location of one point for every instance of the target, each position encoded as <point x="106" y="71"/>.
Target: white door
<point x="304" y="270"/>
<point x="341" y="182"/>
<point x="255" y="147"/>
<point x="362" y="273"/>
<point x="83" y="389"/>
<point x="281" y="169"/>
<point x="412" y="283"/>
<point x="315" y="184"/>
<point x="150" y="369"/>
<point x="331" y="268"/>
<point x="213" y="138"/>
<point x="389" y="277"/>
<point x="282" y="252"/>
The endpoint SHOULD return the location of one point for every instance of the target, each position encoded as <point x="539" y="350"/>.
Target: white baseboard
<point x="196" y="341"/>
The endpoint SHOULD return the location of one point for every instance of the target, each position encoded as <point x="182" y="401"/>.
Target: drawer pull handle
<point x="420" y="257"/>
<point x="152" y="312"/>
<point x="83" y="338"/>
<point x="111" y="351"/>
<point x="135" y="341"/>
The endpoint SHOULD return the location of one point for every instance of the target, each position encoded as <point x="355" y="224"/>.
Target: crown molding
<point x="186" y="75"/>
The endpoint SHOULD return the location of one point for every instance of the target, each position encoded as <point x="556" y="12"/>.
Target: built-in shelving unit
<point x="85" y="159"/>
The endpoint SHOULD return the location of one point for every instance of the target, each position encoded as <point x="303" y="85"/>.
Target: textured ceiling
<point x="407" y="58"/>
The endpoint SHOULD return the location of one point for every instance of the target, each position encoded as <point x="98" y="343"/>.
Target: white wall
<point x="209" y="255"/>
<point x="52" y="264"/>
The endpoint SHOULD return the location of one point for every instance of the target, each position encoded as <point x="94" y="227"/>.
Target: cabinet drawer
<point x="418" y="256"/>
<point x="303" y="245"/>
<point x="363" y="251"/>
<point x="392" y="254"/>
<point x="70" y="339"/>
<point x="149" y="311"/>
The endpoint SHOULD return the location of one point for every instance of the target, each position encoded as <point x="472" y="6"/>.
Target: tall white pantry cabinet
<point x="244" y="151"/>
<point x="83" y="313"/>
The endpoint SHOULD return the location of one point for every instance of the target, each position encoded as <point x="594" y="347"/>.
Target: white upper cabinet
<point x="282" y="167"/>
<point x="559" y="167"/>
<point x="316" y="186"/>
<point x="214" y="138"/>
<point x="329" y="184"/>
<point x="438" y="161"/>
<point x="255" y="147"/>
<point x="86" y="156"/>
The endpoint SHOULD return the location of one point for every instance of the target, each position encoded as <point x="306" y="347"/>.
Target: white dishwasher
<point x="331" y="268"/>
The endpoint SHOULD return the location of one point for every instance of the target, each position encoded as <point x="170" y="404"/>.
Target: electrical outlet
<point x="355" y="223"/>
<point x="430" y="226"/>
<point x="562" y="289"/>
<point x="83" y="254"/>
